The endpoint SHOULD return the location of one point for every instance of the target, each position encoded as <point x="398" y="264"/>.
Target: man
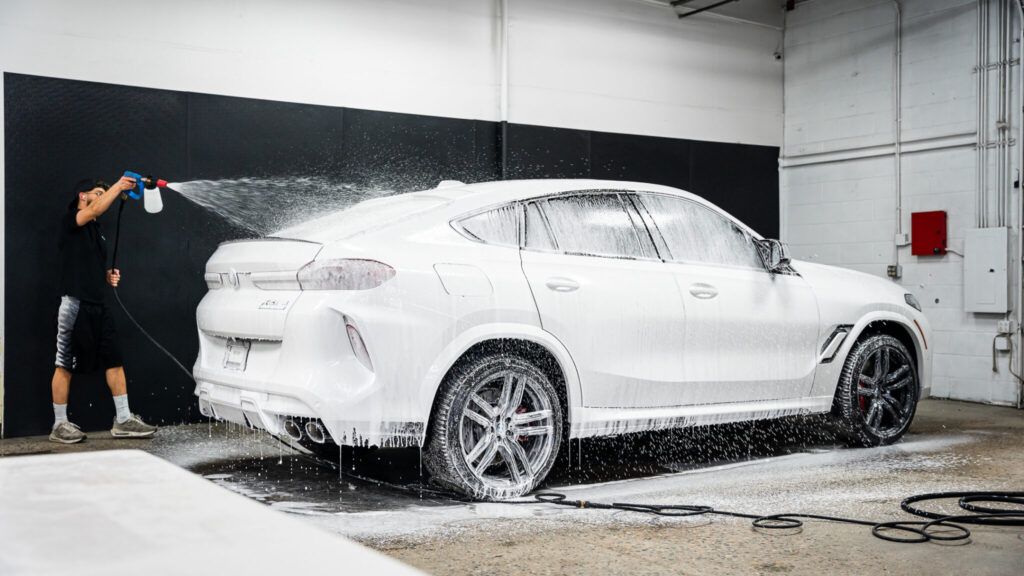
<point x="86" y="336"/>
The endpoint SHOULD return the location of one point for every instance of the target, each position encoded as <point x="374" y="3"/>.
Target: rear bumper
<point x="269" y="410"/>
<point x="310" y="372"/>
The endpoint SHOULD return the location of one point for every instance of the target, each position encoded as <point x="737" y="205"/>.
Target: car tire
<point x="496" y="428"/>
<point x="878" y="391"/>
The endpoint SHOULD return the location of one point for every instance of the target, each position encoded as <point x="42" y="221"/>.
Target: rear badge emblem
<point x="233" y="278"/>
<point x="273" y="305"/>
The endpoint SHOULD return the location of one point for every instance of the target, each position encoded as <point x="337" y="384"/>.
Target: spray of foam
<point x="264" y="205"/>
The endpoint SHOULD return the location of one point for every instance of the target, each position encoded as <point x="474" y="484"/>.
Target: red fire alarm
<point x="928" y="233"/>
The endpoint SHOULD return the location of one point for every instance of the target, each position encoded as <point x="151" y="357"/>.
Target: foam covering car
<point x="491" y="323"/>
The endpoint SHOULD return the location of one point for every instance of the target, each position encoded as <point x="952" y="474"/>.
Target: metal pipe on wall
<point x="1019" y="225"/>
<point x="999" y="104"/>
<point x="979" y="178"/>
<point x="503" y="96"/>
<point x="897" y="89"/>
<point x="982" y="215"/>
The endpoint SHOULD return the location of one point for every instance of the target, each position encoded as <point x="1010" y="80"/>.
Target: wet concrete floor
<point x="380" y="497"/>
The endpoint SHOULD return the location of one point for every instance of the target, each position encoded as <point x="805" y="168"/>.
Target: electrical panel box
<point x="928" y="233"/>
<point x="986" y="281"/>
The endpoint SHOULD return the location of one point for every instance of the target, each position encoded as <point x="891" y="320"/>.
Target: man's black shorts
<point x="86" y="337"/>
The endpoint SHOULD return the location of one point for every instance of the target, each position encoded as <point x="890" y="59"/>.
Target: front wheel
<point x="496" y="428"/>
<point x="878" y="391"/>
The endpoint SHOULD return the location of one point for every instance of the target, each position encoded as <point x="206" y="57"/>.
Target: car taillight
<point x="344" y="274"/>
<point x="358" y="346"/>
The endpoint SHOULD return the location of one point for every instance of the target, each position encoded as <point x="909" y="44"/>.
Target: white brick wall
<point x="839" y="102"/>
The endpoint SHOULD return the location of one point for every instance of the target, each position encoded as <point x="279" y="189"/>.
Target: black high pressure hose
<point x="919" y="530"/>
<point x="113" y="264"/>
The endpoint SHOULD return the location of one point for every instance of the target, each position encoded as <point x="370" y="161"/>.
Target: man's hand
<point x="123" y="184"/>
<point x="113" y="276"/>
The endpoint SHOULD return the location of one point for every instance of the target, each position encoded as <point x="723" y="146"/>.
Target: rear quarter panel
<point x="417" y="325"/>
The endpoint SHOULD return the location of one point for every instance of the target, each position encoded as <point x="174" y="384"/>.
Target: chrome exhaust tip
<point x="316" y="432"/>
<point x="292" y="429"/>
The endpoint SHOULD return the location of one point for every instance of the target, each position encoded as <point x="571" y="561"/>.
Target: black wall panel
<point x="408" y="152"/>
<point x="242" y="137"/>
<point x="58" y="131"/>
<point x="742" y="180"/>
<point x="640" y="159"/>
<point x="542" y="152"/>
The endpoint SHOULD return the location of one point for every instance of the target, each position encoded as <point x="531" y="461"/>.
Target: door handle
<point x="559" y="284"/>
<point x="703" y="291"/>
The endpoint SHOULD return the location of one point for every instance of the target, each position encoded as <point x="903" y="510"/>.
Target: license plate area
<point x="236" y="354"/>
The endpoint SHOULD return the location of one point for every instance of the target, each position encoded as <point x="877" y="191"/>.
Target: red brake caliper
<point x="521" y="410"/>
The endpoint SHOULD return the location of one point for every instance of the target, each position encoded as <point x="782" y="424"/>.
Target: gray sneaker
<point x="133" y="427"/>
<point x="67" y="433"/>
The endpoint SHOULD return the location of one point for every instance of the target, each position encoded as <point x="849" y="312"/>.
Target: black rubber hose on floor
<point x="917" y="531"/>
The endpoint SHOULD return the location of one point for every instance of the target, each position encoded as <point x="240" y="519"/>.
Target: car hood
<point x="843" y="282"/>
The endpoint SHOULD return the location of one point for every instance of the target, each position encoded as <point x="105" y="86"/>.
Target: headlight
<point x="344" y="274"/>
<point x="912" y="301"/>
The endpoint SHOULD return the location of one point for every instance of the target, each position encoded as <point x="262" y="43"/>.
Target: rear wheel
<point x="878" y="391"/>
<point x="496" y="428"/>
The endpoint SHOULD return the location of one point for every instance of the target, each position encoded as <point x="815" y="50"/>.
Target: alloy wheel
<point x="885" y="391"/>
<point x="506" y="429"/>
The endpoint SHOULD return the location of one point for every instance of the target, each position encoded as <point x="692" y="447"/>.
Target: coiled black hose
<point x="917" y="531"/>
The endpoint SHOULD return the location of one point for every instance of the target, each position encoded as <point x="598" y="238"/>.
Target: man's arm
<point x="104" y="202"/>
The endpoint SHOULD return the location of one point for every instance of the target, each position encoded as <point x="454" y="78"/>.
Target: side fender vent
<point x="834" y="342"/>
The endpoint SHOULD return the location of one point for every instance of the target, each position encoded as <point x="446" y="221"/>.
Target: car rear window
<point x="499" y="226"/>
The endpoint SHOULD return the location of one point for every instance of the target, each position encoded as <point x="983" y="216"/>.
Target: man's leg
<point x="118" y="385"/>
<point x="126" y="424"/>
<point x="59" y="388"/>
<point x="63" y="431"/>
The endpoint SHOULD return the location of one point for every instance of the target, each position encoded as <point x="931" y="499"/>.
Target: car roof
<point x="451" y="200"/>
<point x="469" y="198"/>
<point x="484" y="193"/>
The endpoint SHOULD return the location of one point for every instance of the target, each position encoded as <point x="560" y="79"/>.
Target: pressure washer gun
<point x="147" y="188"/>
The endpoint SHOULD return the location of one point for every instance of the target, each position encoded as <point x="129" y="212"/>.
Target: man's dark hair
<point x="85" y="185"/>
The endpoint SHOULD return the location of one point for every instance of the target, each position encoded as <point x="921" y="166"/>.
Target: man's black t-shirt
<point x="83" y="257"/>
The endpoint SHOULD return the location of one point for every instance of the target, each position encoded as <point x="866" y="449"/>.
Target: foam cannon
<point x="148" y="189"/>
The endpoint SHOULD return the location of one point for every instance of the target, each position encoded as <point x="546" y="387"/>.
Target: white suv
<point x="489" y="323"/>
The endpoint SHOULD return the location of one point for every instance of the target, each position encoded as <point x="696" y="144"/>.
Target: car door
<point x="601" y="290"/>
<point x="750" y="335"/>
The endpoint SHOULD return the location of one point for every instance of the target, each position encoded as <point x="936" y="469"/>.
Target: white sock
<point x="121" y="405"/>
<point x="60" y="414"/>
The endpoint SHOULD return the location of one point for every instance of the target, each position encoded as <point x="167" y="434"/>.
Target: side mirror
<point x="775" y="254"/>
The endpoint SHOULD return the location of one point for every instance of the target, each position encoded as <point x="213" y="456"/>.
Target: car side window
<point x="592" y="224"/>
<point x="695" y="233"/>
<point x="499" y="226"/>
